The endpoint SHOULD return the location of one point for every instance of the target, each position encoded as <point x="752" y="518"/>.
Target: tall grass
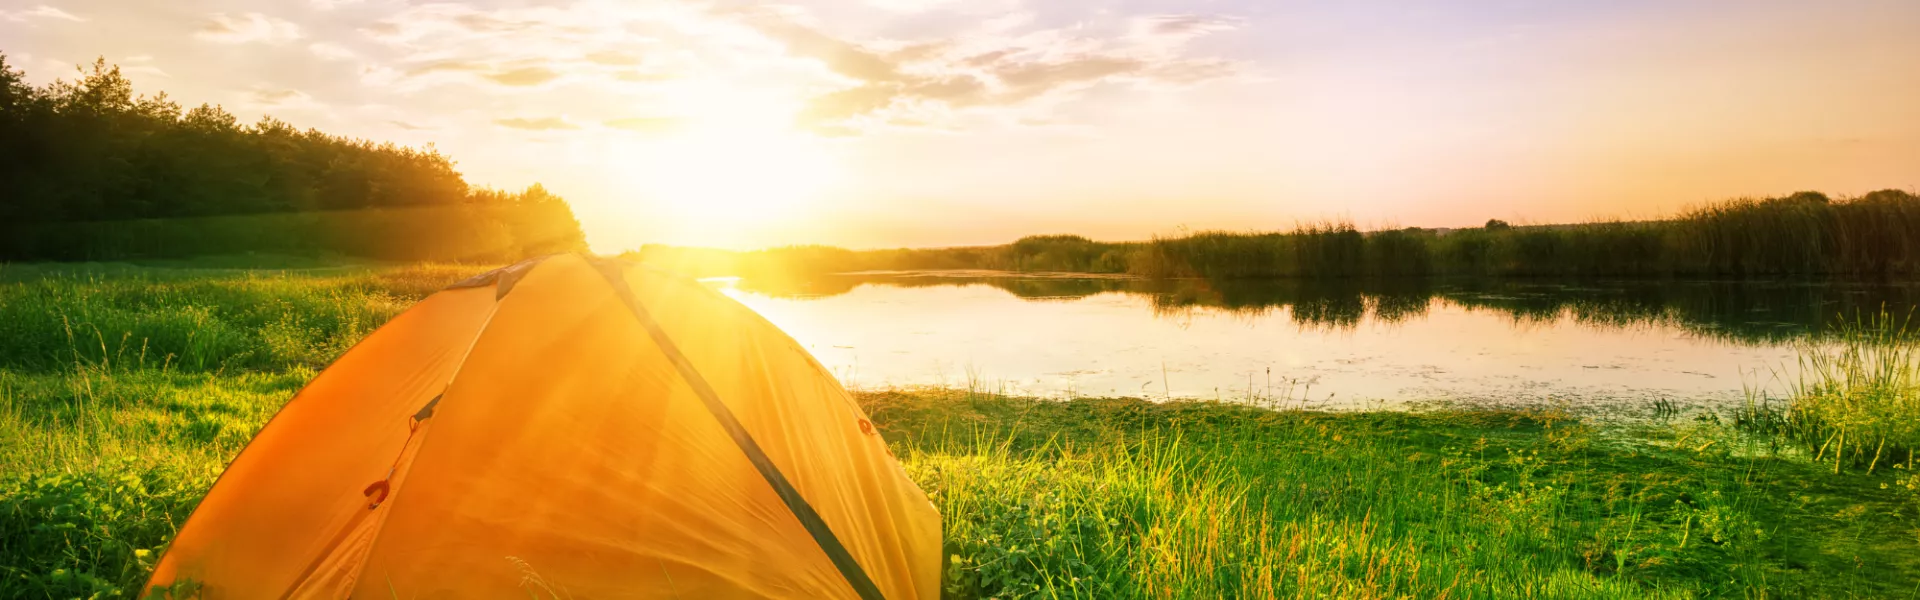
<point x="1805" y="234"/>
<point x="1856" y="399"/>
<point x="197" y="319"/>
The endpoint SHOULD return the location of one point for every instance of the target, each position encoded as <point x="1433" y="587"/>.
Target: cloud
<point x="524" y="76"/>
<point x="141" y="64"/>
<point x="638" y="76"/>
<point x="40" y="12"/>
<point x="987" y="69"/>
<point x="1029" y="79"/>
<point x="145" y="70"/>
<point x="536" y="124"/>
<point x="841" y="56"/>
<point x="281" y="100"/>
<point x="407" y="126"/>
<point x="526" y="73"/>
<point x="268" y="97"/>
<point x="330" y="51"/>
<point x="909" y="6"/>
<point x="833" y="107"/>
<point x="646" y="124"/>
<point x="246" y="28"/>
<point x="615" y="58"/>
<point x="603" y="58"/>
<point x="1184" y="26"/>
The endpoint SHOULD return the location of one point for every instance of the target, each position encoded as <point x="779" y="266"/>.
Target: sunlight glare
<point x="737" y="164"/>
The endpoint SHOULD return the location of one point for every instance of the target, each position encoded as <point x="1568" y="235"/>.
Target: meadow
<point x="125" y="389"/>
<point x="1806" y="234"/>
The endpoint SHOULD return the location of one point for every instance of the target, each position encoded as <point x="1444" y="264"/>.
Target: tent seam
<point x="823" y="536"/>
<point x="394" y="495"/>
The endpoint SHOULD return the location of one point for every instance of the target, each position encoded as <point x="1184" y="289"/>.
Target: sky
<point x="887" y="123"/>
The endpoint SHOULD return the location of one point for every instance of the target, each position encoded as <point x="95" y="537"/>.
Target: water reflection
<point x="1747" y="312"/>
<point x="1607" y="346"/>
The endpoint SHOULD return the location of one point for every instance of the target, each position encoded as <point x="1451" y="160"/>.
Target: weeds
<point x="1856" y="399"/>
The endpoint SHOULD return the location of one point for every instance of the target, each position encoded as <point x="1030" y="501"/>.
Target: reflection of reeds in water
<point x="1726" y="311"/>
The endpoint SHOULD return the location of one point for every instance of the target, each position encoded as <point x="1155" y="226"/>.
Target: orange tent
<point x="570" y="427"/>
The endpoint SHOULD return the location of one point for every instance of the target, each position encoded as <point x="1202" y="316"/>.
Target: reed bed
<point x="1805" y="234"/>
<point x="1802" y="235"/>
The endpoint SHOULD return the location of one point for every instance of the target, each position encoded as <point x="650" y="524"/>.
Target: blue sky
<point x="939" y="122"/>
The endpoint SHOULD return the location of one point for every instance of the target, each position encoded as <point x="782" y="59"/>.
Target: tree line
<point x="1805" y="234"/>
<point x="81" y="158"/>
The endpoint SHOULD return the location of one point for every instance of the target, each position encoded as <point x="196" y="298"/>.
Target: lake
<point x="1619" y="347"/>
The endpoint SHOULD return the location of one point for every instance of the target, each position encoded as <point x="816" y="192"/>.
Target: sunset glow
<point x="735" y="167"/>
<point x="894" y="123"/>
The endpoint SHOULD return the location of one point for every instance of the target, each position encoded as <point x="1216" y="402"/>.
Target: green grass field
<point x="125" y="389"/>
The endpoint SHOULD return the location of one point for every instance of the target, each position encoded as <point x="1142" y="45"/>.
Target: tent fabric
<point x="571" y="428"/>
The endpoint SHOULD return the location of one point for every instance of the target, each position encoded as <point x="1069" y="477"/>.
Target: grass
<point x="1856" y="399"/>
<point x="103" y="454"/>
<point x="1124" y="498"/>
<point x="499" y="228"/>
<point x="118" y="316"/>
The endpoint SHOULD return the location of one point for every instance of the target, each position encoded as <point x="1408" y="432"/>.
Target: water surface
<point x="1592" y="345"/>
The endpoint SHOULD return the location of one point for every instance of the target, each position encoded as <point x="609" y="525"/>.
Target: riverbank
<point x="1805" y="234"/>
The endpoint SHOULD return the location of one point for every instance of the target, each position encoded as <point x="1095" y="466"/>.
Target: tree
<point x="90" y="150"/>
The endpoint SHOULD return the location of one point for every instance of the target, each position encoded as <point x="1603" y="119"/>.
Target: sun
<point x="741" y="173"/>
<point x="735" y="167"/>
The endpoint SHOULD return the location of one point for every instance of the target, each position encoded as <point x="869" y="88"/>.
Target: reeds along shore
<point x="1806" y="234"/>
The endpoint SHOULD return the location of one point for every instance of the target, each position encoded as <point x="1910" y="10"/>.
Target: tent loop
<point x="385" y="486"/>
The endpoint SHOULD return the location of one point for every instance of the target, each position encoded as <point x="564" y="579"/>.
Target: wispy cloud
<point x="272" y="97"/>
<point x="988" y="69"/>
<point x="330" y="51"/>
<point x="1007" y="69"/>
<point x="40" y="12"/>
<point x="536" y="123"/>
<point x="524" y="76"/>
<point x="246" y="28"/>
<point x="646" y="124"/>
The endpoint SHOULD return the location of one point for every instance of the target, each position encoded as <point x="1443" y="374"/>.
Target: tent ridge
<point x="843" y="560"/>
<point x="504" y="279"/>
